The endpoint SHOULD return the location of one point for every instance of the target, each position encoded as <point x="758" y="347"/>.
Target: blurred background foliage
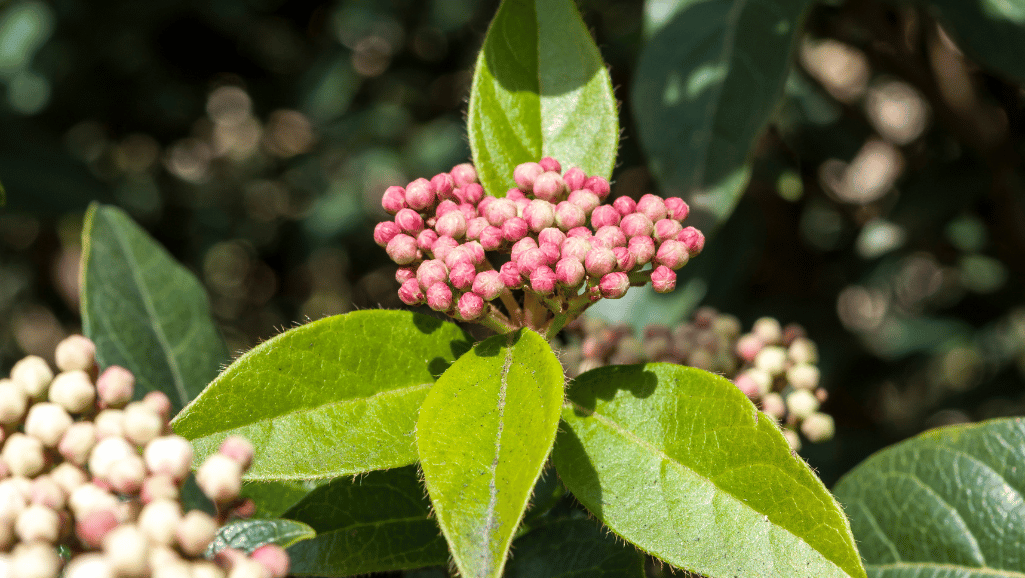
<point x="254" y="139"/>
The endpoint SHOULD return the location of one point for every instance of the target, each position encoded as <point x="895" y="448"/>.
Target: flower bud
<point x="818" y="427"/>
<point x="802" y="350"/>
<point x="539" y="215"/>
<point x="445" y="207"/>
<point x="549" y="186"/>
<point x="439" y="297"/>
<point x="127" y="550"/>
<point x="89" y="565"/>
<point x="463" y="174"/>
<point x="748" y="347"/>
<point x="625" y="261"/>
<point x="653" y="207"/>
<point x="13" y="402"/>
<point x="475" y="226"/>
<point x="569" y="272"/>
<point x="68" y="477"/>
<point x="693" y="238"/>
<point x="23" y="454"/>
<point x="672" y="254"/>
<point x="754" y="382"/>
<point x="12" y="501"/>
<point x="802" y="403"/>
<point x="663" y="279"/>
<point x="491" y="238"/>
<point x="142" y="424"/>
<point x="77" y="442"/>
<point x="774" y="406"/>
<point x="614" y="285"/>
<point x="451" y="224"/>
<point x="443" y="246"/>
<point x="443" y="185"/>
<point x="542" y="280"/>
<point x="575" y="248"/>
<point x="171" y="455"/>
<point x="499" y="211"/>
<point x="525" y="173"/>
<point x="666" y="229"/>
<point x="636" y="225"/>
<point x="581" y="231"/>
<point x="473" y="193"/>
<point x="529" y="260"/>
<point x="514" y="229"/>
<point x="394" y="199"/>
<point x="470" y="306"/>
<point x="409" y="221"/>
<point x="194" y="532"/>
<point x="676" y="208"/>
<point x="75" y="352"/>
<point x="575" y="178"/>
<point x="488" y="284"/>
<point x="419" y="194"/>
<point x="35" y="560"/>
<point x="585" y="199"/>
<point x="94" y="526"/>
<point x="430" y="272"/>
<point x="403" y="274"/>
<point x="598" y="185"/>
<point x="462" y="275"/>
<point x="385" y="231"/>
<point x="46" y="492"/>
<point x="509" y="273"/>
<point x="109" y="423"/>
<point x="625" y="206"/>
<point x="610" y="236"/>
<point x="402" y="249"/>
<point x="89" y="498"/>
<point x="220" y="478"/>
<point x="106" y="453"/>
<point x="552" y="236"/>
<point x="468" y="211"/>
<point x="550" y="164"/>
<point x="159" y="520"/>
<point x="569" y="216"/>
<point x="521" y="246"/>
<point x="793" y="439"/>
<point x="803" y="376"/>
<point x="33" y="375"/>
<point x="768" y="330"/>
<point x="600" y="261"/>
<point x="115" y="386"/>
<point x="643" y="249"/>
<point x="73" y="390"/>
<point x="605" y="216"/>
<point x="37" y="522"/>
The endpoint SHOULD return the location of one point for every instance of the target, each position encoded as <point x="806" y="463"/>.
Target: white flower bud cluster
<point x="86" y="470"/>
<point x="775" y="366"/>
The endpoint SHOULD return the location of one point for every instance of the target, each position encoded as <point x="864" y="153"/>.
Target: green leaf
<point x="273" y="498"/>
<point x="484" y="433"/>
<point x="707" y="83"/>
<point x="573" y="548"/>
<point x="334" y="397"/>
<point x="248" y="535"/>
<point x="991" y="31"/>
<point x="679" y="462"/>
<point x="145" y="311"/>
<point x="375" y="523"/>
<point x="540" y="88"/>
<point x="947" y="503"/>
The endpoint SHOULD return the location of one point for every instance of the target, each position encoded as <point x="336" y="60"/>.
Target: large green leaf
<point x="248" y="535"/>
<point x="484" y="433"/>
<point x="991" y="31"/>
<point x="540" y="88"/>
<point x="334" y="397"/>
<point x="707" y="83"/>
<point x="573" y="548"/>
<point x="945" y="504"/>
<point x="272" y="498"/>
<point x="374" y="523"/>
<point x="679" y="462"/>
<point x="145" y="311"/>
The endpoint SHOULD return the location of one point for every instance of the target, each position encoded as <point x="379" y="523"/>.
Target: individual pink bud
<point x="552" y="253"/>
<point x="582" y="232"/>
<point x="653" y="207"/>
<point x="666" y="229"/>
<point x="549" y="186"/>
<point x="636" y="224"/>
<point x="446" y="206"/>
<point x="443" y="246"/>
<point x="531" y="259"/>
<point x="500" y="210"/>
<point x="126" y="476"/>
<point x="576" y="248"/>
<point x="516" y="195"/>
<point x="475" y="226"/>
<point x="115" y="386"/>
<point x="220" y="478"/>
<point x="463" y="275"/>
<point x="410" y="292"/>
<point x="599" y="261"/>
<point x="550" y="164"/>
<point x="402" y="249"/>
<point x="451" y="224"/>
<point x="605" y="216"/>
<point x="473" y="193"/>
<point x="514" y="229"/>
<point x="542" y="280"/>
<point x="439" y="297"/>
<point x="77" y="442"/>
<point x="47" y="492"/>
<point x="525" y="173"/>
<point x="539" y="215"/>
<point x="569" y="216"/>
<point x="394" y="199"/>
<point x="239" y="449"/>
<point x="426" y="239"/>
<point x="748" y="347"/>
<point x="663" y="279"/>
<point x="625" y="260"/>
<point x="443" y="185"/>
<point x="491" y="238"/>
<point x="468" y="211"/>
<point x="470" y="306"/>
<point x="585" y="199"/>
<point x="94" y="526"/>
<point x="430" y="272"/>
<point x="677" y="208"/>
<point x="569" y="272"/>
<point x="158" y="487"/>
<point x="610" y="236"/>
<point x="522" y="245"/>
<point x="419" y="194"/>
<point x="75" y="352"/>
<point x="575" y="178"/>
<point x="409" y="221"/>
<point x="385" y="231"/>
<point x="158" y="402"/>
<point x="488" y="285"/>
<point x="614" y="285"/>
<point x="599" y="185"/>
<point x="509" y="273"/>
<point x="273" y="558"/>
<point x="482" y="206"/>
<point x="551" y="235"/>
<point x="170" y="455"/>
<point x="625" y="206"/>
<point x="643" y="249"/>
<point x="460" y="254"/>
<point x="693" y="239"/>
<point x="672" y="254"/>
<point x="463" y="174"/>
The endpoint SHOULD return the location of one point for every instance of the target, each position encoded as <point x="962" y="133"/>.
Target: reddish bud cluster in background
<point x="566" y="249"/>
<point x="774" y="366"/>
<point x="87" y="470"/>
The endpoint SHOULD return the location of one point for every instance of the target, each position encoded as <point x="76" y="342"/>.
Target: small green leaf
<point x="945" y="504"/>
<point x="707" y="83"/>
<point x="990" y="31"/>
<point x="375" y="523"/>
<point x="484" y="433"/>
<point x="334" y="397"/>
<point x="144" y="311"/>
<point x="540" y="88"/>
<point x="679" y="462"/>
<point x="248" y="535"/>
<point x="573" y="548"/>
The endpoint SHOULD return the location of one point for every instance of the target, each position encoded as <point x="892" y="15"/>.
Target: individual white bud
<point x="75" y="352"/>
<point x="803" y="350"/>
<point x="127" y="550"/>
<point x="761" y="378"/>
<point x="160" y="403"/>
<point x="161" y="555"/>
<point x="801" y="403"/>
<point x="803" y="376"/>
<point x="793" y="439"/>
<point x="47" y="492"/>
<point x="127" y="475"/>
<point x="159" y="520"/>
<point x="220" y="478"/>
<point x="176" y="570"/>
<point x="818" y="427"/>
<point x="89" y="565"/>
<point x="195" y="532"/>
<point x="68" y="476"/>
<point x="12" y="500"/>
<point x="89" y="498"/>
<point x="768" y="330"/>
<point x="47" y="422"/>
<point x="77" y="442"/>
<point x="115" y="386"/>
<point x="157" y="487"/>
<point x="6" y="566"/>
<point x="774" y="406"/>
<point x="37" y="522"/>
<point x="35" y="560"/>
<point x="247" y="568"/>
<point x="73" y="390"/>
<point x="106" y="453"/>
<point x="206" y="569"/>
<point x="13" y="402"/>
<point x="772" y="360"/>
<point x="142" y="424"/>
<point x="23" y="454"/>
<point x="171" y="455"/>
<point x="110" y="423"/>
<point x="33" y="375"/>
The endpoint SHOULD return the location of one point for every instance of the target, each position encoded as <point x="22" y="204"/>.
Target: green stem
<point x="494" y="320"/>
<point x="512" y="306"/>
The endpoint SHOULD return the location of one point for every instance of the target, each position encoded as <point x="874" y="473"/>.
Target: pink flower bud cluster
<point x="775" y="366"/>
<point x="565" y="247"/>
<point x="86" y="469"/>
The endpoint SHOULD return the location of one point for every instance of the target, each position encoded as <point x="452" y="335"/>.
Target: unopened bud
<point x="159" y="520"/>
<point x="667" y="229"/>
<point x="75" y="352"/>
<point x="539" y="215"/>
<point x="625" y="206"/>
<point x="68" y="477"/>
<point x="106" y="453"/>
<point x="598" y="185"/>
<point x="773" y="405"/>
<point x="581" y="231"/>
<point x="385" y="231"/>
<point x="13" y="402"/>
<point x="748" y="347"/>
<point x="550" y="164"/>
<point x="220" y="478"/>
<point x="463" y="174"/>
<point x="78" y="442"/>
<point x="509" y="273"/>
<point x="33" y="375"/>
<point x="499" y="210"/>
<point x="803" y="376"/>
<point x="575" y="248"/>
<point x="605" y="216"/>
<point x="158" y="487"/>
<point x="23" y="454"/>
<point x="89" y="565"/>
<point x="488" y="284"/>
<point x="625" y="261"/>
<point x="569" y="216"/>
<point x="542" y="280"/>
<point x="818" y="427"/>
<point x="693" y="238"/>
<point x="115" y="386"/>
<point x="643" y="249"/>
<point x="754" y="382"/>
<point x="171" y="455"/>
<point x="402" y="249"/>
<point x="409" y="221"/>
<point x="419" y="194"/>
<point x="273" y="558"/>
<point x="653" y="207"/>
<point x="127" y="550"/>
<point x="525" y="173"/>
<point x="549" y="186"/>
<point x="599" y="261"/>
<point x="470" y="306"/>
<point x="439" y="296"/>
<point x="672" y="254"/>
<point x="88" y="498"/>
<point x="394" y="199"/>
<point x="194" y="532"/>
<point x="772" y="359"/>
<point x="127" y="475"/>
<point x="663" y="279"/>
<point x="443" y="246"/>
<point x="803" y="350"/>
<point x="491" y="238"/>
<point x="452" y="224"/>
<point x="473" y="193"/>
<point x="636" y="225"/>
<point x="430" y="272"/>
<point x="35" y="560"/>
<point x="802" y="403"/>
<point x="676" y="208"/>
<point x="569" y="272"/>
<point x="768" y="330"/>
<point x="46" y="492"/>
<point x="443" y="185"/>
<point x="73" y="390"/>
<point x="585" y="199"/>
<point x="514" y="229"/>
<point x="463" y="275"/>
<point x="37" y="522"/>
<point x="614" y="285"/>
<point x="610" y="236"/>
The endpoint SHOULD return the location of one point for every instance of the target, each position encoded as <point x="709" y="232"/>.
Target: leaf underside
<point x="248" y="535"/>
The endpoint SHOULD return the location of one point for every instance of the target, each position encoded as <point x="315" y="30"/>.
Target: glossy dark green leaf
<point x="273" y="498"/>
<point x="945" y="504"/>
<point x="680" y="463"/>
<point x="248" y="535"/>
<point x="145" y="311"/>
<point x="373" y="523"/>
<point x="573" y="548"/>
<point x="992" y="32"/>
<point x="334" y="397"/>
<point x="707" y="83"/>
<point x="540" y="88"/>
<point x="483" y="435"/>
